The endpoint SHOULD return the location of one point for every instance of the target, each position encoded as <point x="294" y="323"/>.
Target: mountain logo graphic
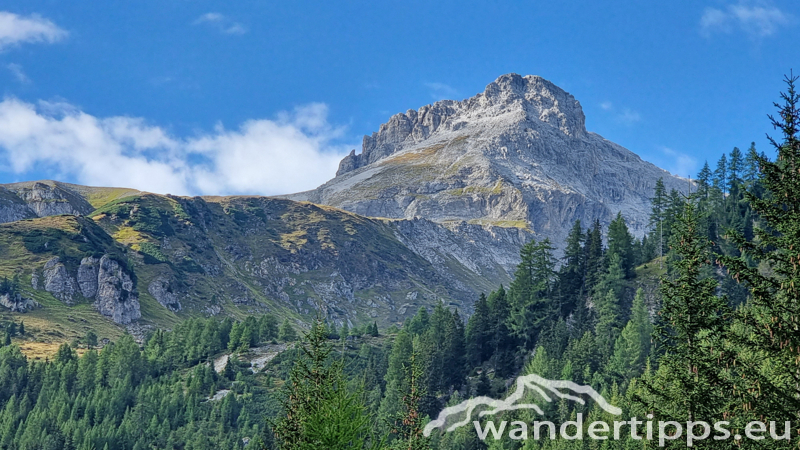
<point x="549" y="390"/>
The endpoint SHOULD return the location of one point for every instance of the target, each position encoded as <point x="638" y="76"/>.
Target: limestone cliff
<point x="516" y="155"/>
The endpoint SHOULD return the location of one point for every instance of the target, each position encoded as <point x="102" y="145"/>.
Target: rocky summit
<point x="516" y="155"/>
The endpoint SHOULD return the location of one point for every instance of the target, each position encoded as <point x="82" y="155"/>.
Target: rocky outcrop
<point x="58" y="282"/>
<point x="87" y="276"/>
<point x="116" y="297"/>
<point x="12" y="208"/>
<point x="161" y="289"/>
<point x="516" y="155"/>
<point x="105" y="280"/>
<point x="17" y="303"/>
<point x="49" y="198"/>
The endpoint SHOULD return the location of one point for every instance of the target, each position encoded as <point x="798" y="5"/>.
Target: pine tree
<point x="690" y="383"/>
<point x="721" y="174"/>
<point x="735" y="168"/>
<point x="751" y="164"/>
<point x="478" y="333"/>
<point x="571" y="275"/>
<point x="620" y="242"/>
<point x="531" y="305"/>
<point x="22" y="329"/>
<point x="285" y="334"/>
<point x="659" y="204"/>
<point x="704" y="179"/>
<point x="633" y="345"/>
<point x="91" y="339"/>
<point x="593" y="251"/>
<point x="319" y="412"/>
<point x="769" y="356"/>
<point x="408" y="423"/>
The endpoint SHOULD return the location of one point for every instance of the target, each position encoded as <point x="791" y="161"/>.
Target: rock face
<point x="58" y="282"/>
<point x="87" y="276"/>
<point x="104" y="280"/>
<point x="116" y="297"/>
<point x="17" y="303"/>
<point x="161" y="290"/>
<point x="516" y="155"/>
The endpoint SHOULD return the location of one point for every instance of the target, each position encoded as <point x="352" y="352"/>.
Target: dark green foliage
<point x="768" y="341"/>
<point x="287" y="332"/>
<point x="319" y="412"/>
<point x="690" y="383"/>
<point x="126" y="398"/>
<point x="530" y="293"/>
<point x="620" y="243"/>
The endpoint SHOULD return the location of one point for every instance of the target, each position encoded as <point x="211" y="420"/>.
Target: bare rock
<point x="87" y="276"/>
<point x="161" y="289"/>
<point x="58" y="282"/>
<point x="17" y="303"/>
<point x="116" y="297"/>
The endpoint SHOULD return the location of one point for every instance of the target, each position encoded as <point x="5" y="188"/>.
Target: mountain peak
<point x="516" y="155"/>
<point x="508" y="101"/>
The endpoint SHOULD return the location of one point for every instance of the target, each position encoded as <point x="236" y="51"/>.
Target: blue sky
<point x="211" y="97"/>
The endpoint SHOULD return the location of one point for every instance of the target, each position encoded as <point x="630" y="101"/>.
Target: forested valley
<point x="698" y="320"/>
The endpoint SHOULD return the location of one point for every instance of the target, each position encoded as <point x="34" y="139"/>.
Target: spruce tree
<point x="633" y="345"/>
<point x="319" y="411"/>
<point x="704" y="179"/>
<point x="620" y="243"/>
<point x="768" y="337"/>
<point x="721" y="174"/>
<point x="571" y="275"/>
<point x="478" y="333"/>
<point x="735" y="168"/>
<point x="530" y="292"/>
<point x="689" y="384"/>
<point x="751" y="164"/>
<point x="285" y="334"/>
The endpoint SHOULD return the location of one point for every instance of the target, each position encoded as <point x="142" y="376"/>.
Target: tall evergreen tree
<point x="690" y="384"/>
<point x="620" y="243"/>
<point x="769" y="358"/>
<point x="704" y="179"/>
<point x="319" y="412"/>
<point x="571" y="281"/>
<point x="633" y="345"/>
<point x="530" y="293"/>
<point x="751" y="164"/>
<point x="735" y="168"/>
<point x="721" y="174"/>
<point x="593" y="251"/>
<point x="659" y="204"/>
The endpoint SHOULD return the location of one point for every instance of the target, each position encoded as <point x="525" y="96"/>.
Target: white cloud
<point x="18" y="73"/>
<point x="756" y="18"/>
<point x="15" y="29"/>
<point x="289" y="154"/>
<point x="221" y="23"/>
<point x="441" y="91"/>
<point x="625" y="116"/>
<point x="679" y="163"/>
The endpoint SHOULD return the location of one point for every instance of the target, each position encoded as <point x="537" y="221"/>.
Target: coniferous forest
<point x="696" y="321"/>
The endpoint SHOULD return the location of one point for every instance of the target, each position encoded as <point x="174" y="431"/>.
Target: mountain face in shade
<point x="517" y="155"/>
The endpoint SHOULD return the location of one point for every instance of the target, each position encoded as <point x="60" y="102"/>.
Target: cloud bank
<point x="292" y="153"/>
<point x="756" y="19"/>
<point x="15" y="29"/>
